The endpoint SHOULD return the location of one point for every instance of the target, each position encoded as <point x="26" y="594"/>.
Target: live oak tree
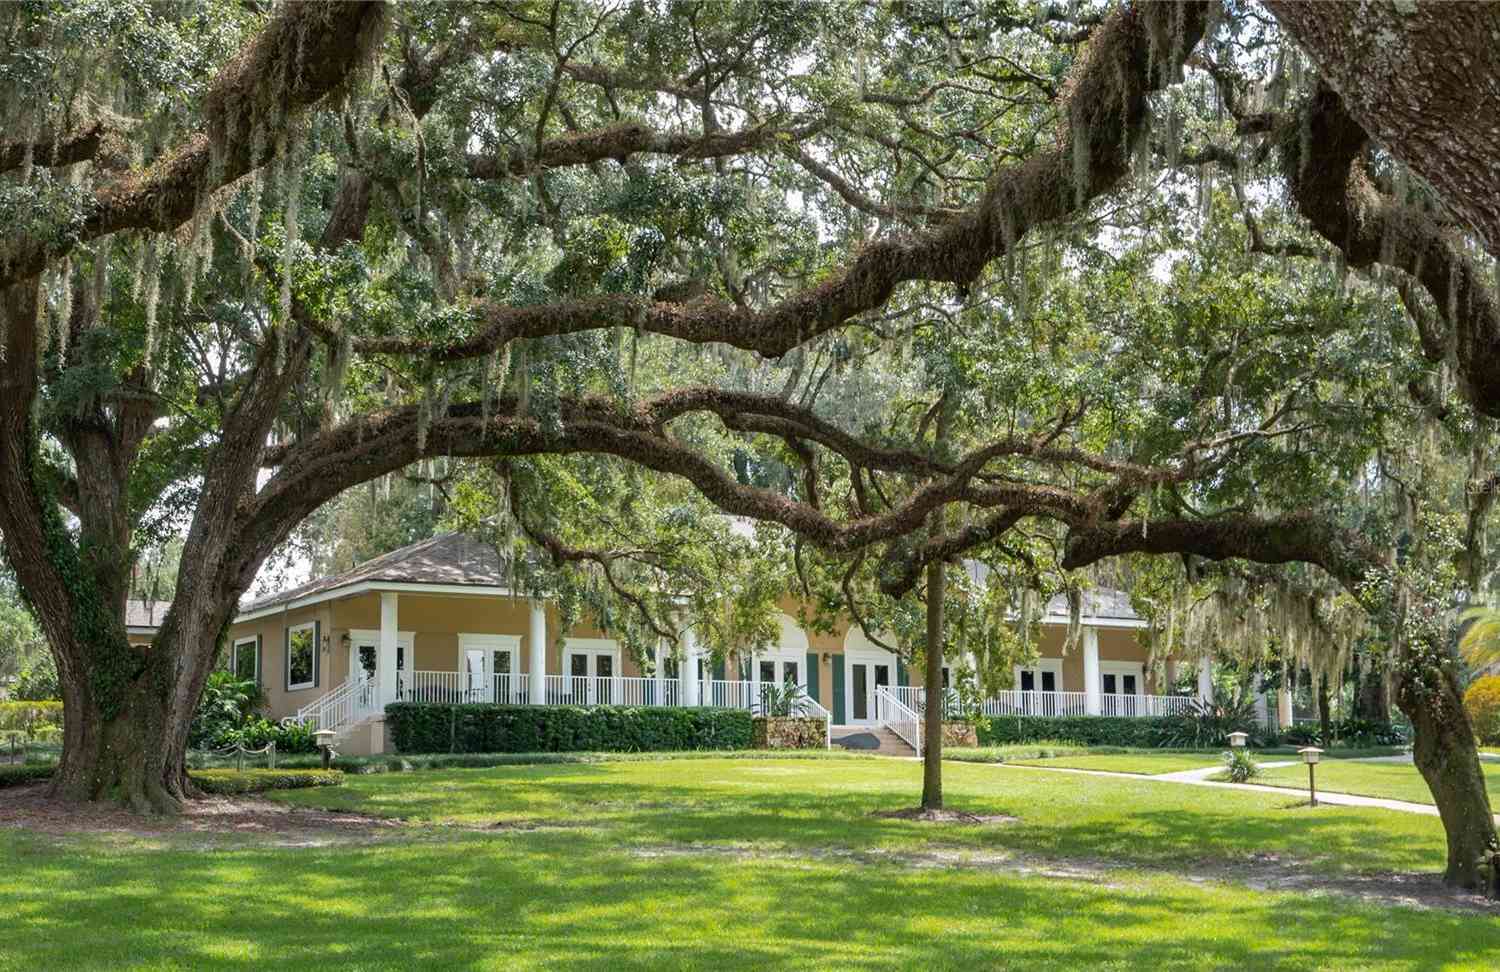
<point x="290" y="252"/>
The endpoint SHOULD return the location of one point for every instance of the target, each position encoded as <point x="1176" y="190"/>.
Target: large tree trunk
<point x="1325" y="719"/>
<point x="932" y="729"/>
<point x="1445" y="752"/>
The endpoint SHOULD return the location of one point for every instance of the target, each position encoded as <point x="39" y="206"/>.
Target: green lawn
<point x="1394" y="781"/>
<point x="740" y="864"/>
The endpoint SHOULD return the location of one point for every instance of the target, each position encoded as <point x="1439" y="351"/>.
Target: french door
<point x="591" y="676"/>
<point x="864" y="679"/>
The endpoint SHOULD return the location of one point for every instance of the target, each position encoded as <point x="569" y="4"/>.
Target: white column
<point x="386" y="667"/>
<point x="659" y="675"/>
<point x="1091" y="680"/>
<point x="1284" y="706"/>
<point x="1206" y="678"/>
<point x="689" y="670"/>
<point x="536" y="644"/>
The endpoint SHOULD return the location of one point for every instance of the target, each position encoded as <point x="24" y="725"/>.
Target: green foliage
<point x="1482" y="701"/>
<point x="430" y="728"/>
<point x="229" y="782"/>
<point x="1147" y="733"/>
<point x="38" y="681"/>
<point x="32" y="718"/>
<point x="782" y="700"/>
<point x="226" y="706"/>
<point x="20" y="774"/>
<point x="1208" y="722"/>
<point x="1240" y="766"/>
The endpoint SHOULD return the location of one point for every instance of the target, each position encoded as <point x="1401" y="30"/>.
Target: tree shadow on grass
<point x="473" y="902"/>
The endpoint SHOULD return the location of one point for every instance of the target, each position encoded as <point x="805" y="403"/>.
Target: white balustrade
<point x="352" y="701"/>
<point x="898" y="717"/>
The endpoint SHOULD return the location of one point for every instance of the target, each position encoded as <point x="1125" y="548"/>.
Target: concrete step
<point x="870" y="739"/>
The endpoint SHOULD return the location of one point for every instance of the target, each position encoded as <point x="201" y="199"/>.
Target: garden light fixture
<point x="1310" y="756"/>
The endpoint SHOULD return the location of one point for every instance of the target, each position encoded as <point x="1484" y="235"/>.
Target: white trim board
<point x="368" y="587"/>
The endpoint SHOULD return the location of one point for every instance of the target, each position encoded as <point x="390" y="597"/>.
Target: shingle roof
<point x="142" y="613"/>
<point x="1098" y="602"/>
<point x="449" y="558"/>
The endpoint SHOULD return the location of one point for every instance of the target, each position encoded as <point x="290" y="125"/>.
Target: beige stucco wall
<point x="436" y="620"/>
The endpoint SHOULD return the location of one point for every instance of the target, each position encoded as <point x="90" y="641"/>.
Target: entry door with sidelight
<point x="364" y="654"/>
<point x="1043" y="680"/>
<point x="591" y="676"/>
<point x="864" y="678"/>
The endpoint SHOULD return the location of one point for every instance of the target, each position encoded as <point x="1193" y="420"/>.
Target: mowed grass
<point x="1393" y="781"/>
<point x="791" y="806"/>
<point x="735" y="864"/>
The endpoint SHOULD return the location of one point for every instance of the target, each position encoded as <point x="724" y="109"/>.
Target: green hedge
<point x="225" y="781"/>
<point x="31" y="718"/>
<point x="416" y="727"/>
<point x="19" y="773"/>
<point x="1146" y="733"/>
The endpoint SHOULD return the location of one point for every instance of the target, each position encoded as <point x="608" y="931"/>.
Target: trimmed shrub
<point x="31" y="718"/>
<point x="1482" y="701"/>
<point x="1240" y="766"/>
<point x="417" y="727"/>
<point x="225" y="781"/>
<point x="21" y="773"/>
<point x="1145" y="733"/>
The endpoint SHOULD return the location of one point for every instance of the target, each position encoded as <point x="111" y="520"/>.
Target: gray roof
<point x="449" y="558"/>
<point x="144" y="613"/>
<point x="1098" y="602"/>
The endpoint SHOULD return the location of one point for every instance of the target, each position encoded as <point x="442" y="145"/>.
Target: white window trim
<point x="234" y="657"/>
<point x="1053" y="665"/>
<point x="371" y="636"/>
<point x="475" y="641"/>
<point x="1138" y="669"/>
<point x="593" y="646"/>
<point x="311" y="626"/>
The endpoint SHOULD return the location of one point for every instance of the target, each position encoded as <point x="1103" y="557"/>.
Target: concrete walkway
<point x="1200" y="778"/>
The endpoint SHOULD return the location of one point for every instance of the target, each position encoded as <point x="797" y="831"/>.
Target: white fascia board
<point x="367" y="587"/>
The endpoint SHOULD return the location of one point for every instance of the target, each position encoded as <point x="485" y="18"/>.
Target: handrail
<point x="808" y="704"/>
<point x="897" y="716"/>
<point x="337" y="708"/>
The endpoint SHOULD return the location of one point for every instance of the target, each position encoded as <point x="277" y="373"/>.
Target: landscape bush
<point x="1240" y="766"/>
<point x="228" y="782"/>
<point x="20" y="773"/>
<point x="1482" y="701"/>
<point x="415" y="727"/>
<point x="1148" y="733"/>
<point x="33" y="719"/>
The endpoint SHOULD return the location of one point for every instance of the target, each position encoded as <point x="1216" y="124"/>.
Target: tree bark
<point x="1446" y="754"/>
<point x="932" y="750"/>
<point x="1325" y="720"/>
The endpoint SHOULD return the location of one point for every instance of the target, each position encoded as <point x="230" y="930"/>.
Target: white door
<point x="591" y="675"/>
<point x="364" y="654"/>
<point x="865" y="676"/>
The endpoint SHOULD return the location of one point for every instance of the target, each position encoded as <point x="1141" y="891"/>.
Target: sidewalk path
<point x="1199" y="778"/>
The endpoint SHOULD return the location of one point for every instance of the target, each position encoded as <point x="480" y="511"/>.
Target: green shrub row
<point x="416" y="727"/>
<point x="18" y="773"/>
<point x="226" y="781"/>
<point x="31" y="718"/>
<point x="1146" y="733"/>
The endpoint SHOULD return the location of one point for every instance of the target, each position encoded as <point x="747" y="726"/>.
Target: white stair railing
<point x="808" y="706"/>
<point x="344" y="706"/>
<point x="900" y="718"/>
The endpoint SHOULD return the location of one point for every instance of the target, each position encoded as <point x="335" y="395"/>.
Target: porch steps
<point x="870" y="739"/>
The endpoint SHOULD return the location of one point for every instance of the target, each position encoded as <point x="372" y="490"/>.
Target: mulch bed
<point x="942" y="816"/>
<point x="30" y="808"/>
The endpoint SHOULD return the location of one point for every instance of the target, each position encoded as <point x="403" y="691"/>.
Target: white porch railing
<point x="809" y="706"/>
<point x="898" y="717"/>
<point x="345" y="705"/>
<point x="1143" y="705"/>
